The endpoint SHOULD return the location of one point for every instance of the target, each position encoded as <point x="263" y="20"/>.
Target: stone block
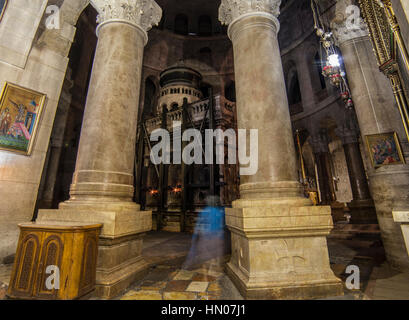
<point x="280" y="251"/>
<point x="402" y="217"/>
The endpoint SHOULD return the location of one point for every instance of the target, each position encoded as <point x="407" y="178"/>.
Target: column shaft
<point x="356" y="170"/>
<point x="262" y="104"/>
<point x="278" y="238"/>
<point x="105" y="161"/>
<point x="102" y="187"/>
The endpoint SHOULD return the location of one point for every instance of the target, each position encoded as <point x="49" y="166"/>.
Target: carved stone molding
<point x="348" y="23"/>
<point x="141" y="13"/>
<point x="231" y="10"/>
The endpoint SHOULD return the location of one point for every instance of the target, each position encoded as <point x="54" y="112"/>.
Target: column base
<point x="279" y="249"/>
<point x="120" y="261"/>
<point x="276" y="291"/>
<point x="402" y="216"/>
<point x="363" y="212"/>
<point x="390" y="191"/>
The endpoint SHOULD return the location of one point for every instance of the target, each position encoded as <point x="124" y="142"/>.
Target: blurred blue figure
<point x="208" y="237"/>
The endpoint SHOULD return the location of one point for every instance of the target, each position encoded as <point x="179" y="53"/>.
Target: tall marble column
<point x="377" y="112"/>
<point x="279" y="247"/>
<point x="102" y="187"/>
<point x="362" y="206"/>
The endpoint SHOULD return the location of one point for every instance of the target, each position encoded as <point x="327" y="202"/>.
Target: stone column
<point x="377" y="113"/>
<point x="305" y="78"/>
<point x="102" y="187"/>
<point x="362" y="206"/>
<point x="279" y="247"/>
<point x="319" y="143"/>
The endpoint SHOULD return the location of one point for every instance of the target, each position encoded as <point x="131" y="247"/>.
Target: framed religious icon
<point x="3" y="5"/>
<point x="20" y="113"/>
<point x="384" y="149"/>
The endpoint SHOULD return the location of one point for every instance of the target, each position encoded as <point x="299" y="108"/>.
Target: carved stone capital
<point x="231" y="10"/>
<point x="319" y="142"/>
<point x="348" y="23"/>
<point x="343" y="32"/>
<point x="143" y="14"/>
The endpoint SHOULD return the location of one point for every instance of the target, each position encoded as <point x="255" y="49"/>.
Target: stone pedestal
<point x="402" y="217"/>
<point x="279" y="249"/>
<point x="278" y="238"/>
<point x="102" y="188"/>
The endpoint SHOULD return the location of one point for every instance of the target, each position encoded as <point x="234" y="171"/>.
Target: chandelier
<point x="332" y="69"/>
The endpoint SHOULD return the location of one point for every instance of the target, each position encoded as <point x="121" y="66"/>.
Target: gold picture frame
<point x="20" y="113"/>
<point x="3" y="8"/>
<point x="384" y="149"/>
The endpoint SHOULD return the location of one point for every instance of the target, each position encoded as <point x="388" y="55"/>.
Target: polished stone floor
<point x="172" y="276"/>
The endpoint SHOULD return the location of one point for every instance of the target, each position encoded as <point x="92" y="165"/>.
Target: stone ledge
<point x="118" y="223"/>
<point x="280" y="219"/>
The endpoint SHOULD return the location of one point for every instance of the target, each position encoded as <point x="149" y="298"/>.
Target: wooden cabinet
<point x="46" y="251"/>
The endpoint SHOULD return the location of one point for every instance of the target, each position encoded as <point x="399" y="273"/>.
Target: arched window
<point x="181" y="24"/>
<point x="174" y="106"/>
<point x="294" y="92"/>
<point x="205" y="26"/>
<point x="150" y="91"/>
<point x="318" y="66"/>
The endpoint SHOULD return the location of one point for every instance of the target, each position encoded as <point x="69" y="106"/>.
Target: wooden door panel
<point x="27" y="258"/>
<point x="51" y="255"/>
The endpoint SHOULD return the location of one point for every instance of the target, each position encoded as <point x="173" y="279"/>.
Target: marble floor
<point x="170" y="277"/>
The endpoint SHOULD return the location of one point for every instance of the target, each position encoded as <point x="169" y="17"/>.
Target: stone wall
<point x="41" y="69"/>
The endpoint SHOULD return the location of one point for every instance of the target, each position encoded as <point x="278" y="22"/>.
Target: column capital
<point x="348" y="23"/>
<point x="347" y="134"/>
<point x="319" y="142"/>
<point x="233" y="10"/>
<point x="143" y="14"/>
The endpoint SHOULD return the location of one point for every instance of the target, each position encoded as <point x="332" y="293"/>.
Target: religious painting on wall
<point x="3" y="5"/>
<point x="20" y="112"/>
<point x="384" y="149"/>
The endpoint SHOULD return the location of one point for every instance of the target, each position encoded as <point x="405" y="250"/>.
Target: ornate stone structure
<point x="102" y="189"/>
<point x="345" y="29"/>
<point x="177" y="192"/>
<point x="276" y="232"/>
<point x="142" y="14"/>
